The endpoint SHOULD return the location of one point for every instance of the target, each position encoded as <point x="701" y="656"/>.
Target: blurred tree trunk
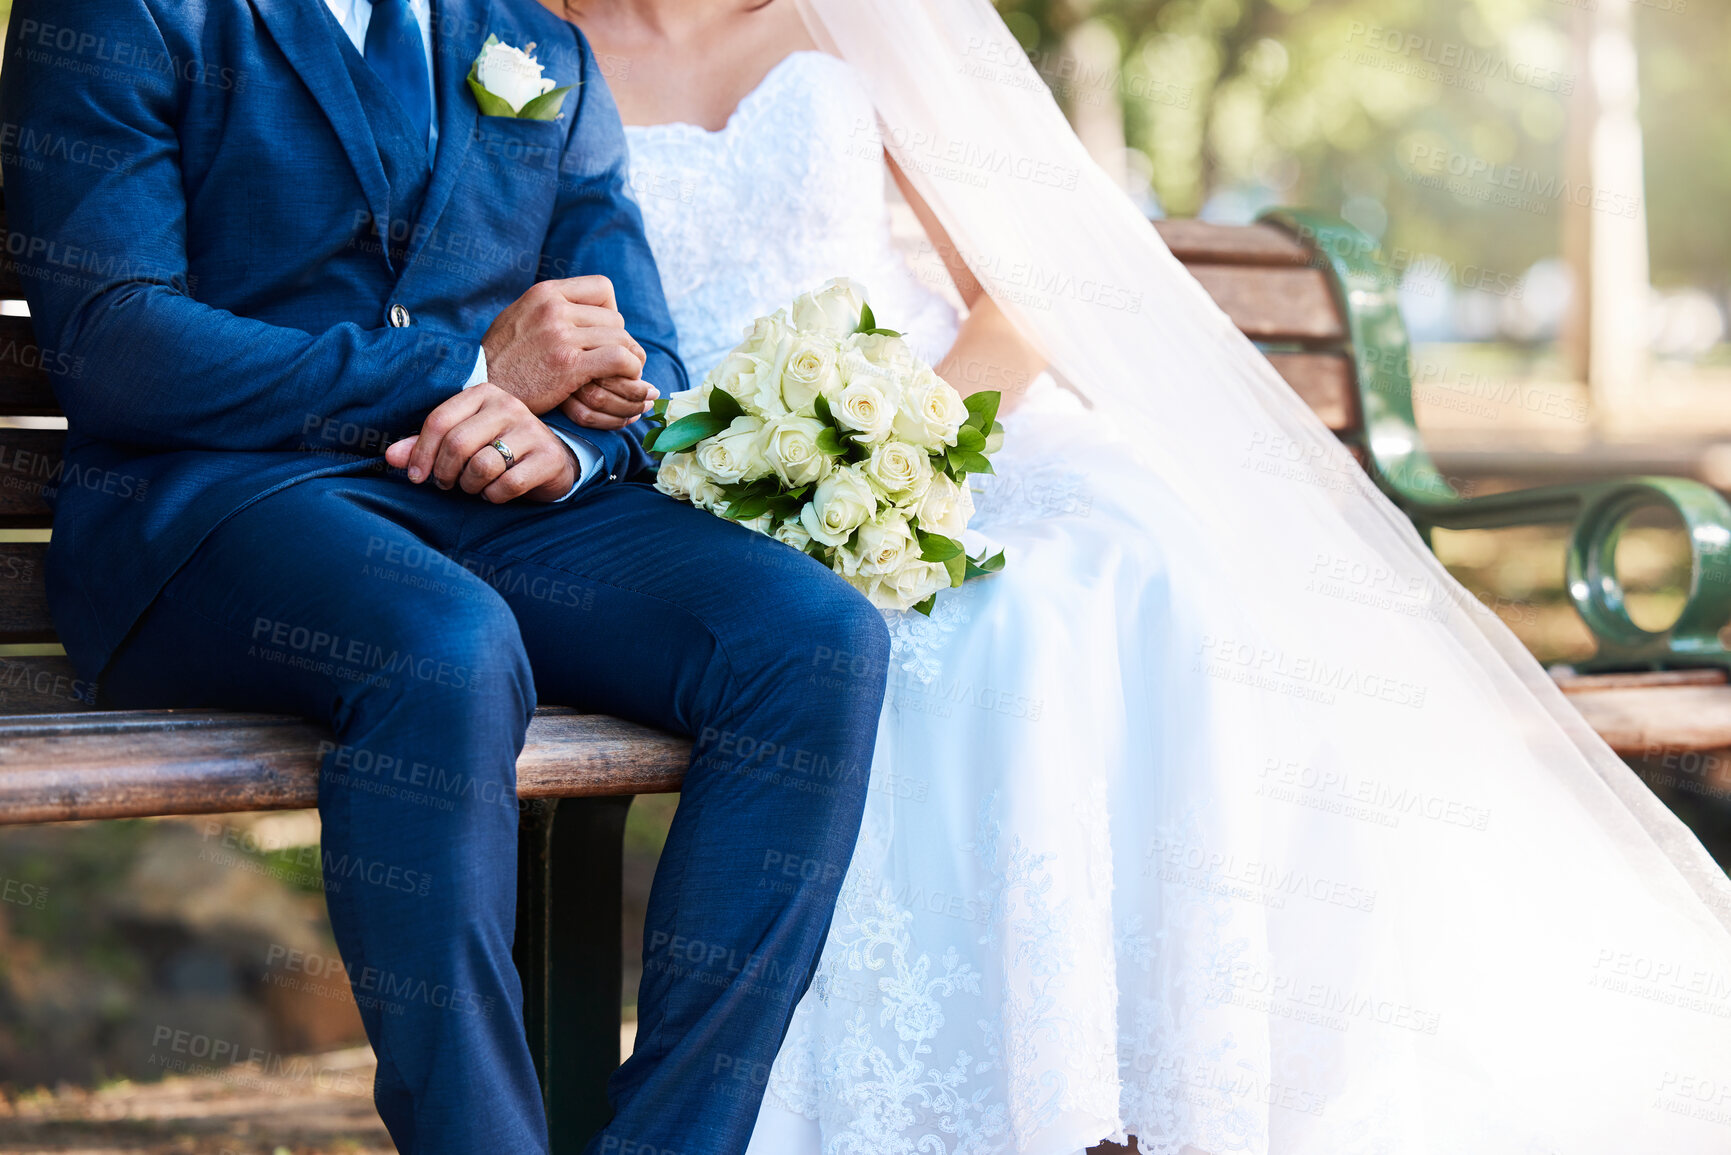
<point x="1092" y="59"/>
<point x="1605" y="340"/>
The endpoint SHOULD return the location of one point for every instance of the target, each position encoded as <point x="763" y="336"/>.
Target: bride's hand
<point x="990" y="354"/>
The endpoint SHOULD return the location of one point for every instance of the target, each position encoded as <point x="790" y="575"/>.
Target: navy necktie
<point x="395" y="51"/>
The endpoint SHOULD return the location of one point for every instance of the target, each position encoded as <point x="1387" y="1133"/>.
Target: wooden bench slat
<point x="23" y="602"/>
<point x="1327" y="382"/>
<point x="1198" y="242"/>
<point x="1635" y="719"/>
<point x="148" y="763"/>
<point x="24" y="388"/>
<point x="1275" y="304"/>
<point x="41" y="685"/>
<point x="30" y="464"/>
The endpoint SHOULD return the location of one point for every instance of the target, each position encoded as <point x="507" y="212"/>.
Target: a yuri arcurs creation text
<point x="829" y="434"/>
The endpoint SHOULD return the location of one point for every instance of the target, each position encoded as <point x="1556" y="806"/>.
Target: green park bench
<point x="1309" y="290"/>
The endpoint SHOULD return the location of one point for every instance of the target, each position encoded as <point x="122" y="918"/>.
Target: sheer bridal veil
<point x="1535" y="909"/>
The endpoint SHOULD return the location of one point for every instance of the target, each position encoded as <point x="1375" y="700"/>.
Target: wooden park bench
<point x="1309" y="290"/>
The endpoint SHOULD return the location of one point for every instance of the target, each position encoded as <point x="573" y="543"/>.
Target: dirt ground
<point x="306" y="1105"/>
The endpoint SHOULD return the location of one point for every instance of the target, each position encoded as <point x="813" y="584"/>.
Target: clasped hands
<point x="561" y="345"/>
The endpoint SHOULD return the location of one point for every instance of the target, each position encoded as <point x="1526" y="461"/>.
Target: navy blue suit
<point x="254" y="277"/>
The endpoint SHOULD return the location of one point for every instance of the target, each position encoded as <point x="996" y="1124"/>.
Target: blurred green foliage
<point x="1334" y="103"/>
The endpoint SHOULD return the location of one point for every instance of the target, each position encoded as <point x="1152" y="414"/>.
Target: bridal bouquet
<point x="827" y="433"/>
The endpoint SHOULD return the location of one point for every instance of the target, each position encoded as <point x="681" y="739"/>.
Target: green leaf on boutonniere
<point x="489" y="104"/>
<point x="547" y="106"/>
<point x="689" y="430"/>
<point x="724" y="404"/>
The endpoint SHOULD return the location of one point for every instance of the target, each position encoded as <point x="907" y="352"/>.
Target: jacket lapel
<point x="459" y="29"/>
<point x="309" y="36"/>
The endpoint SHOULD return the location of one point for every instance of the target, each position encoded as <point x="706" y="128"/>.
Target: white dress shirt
<point x="354" y="16"/>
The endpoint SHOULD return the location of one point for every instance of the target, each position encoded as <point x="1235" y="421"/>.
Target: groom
<point x="269" y="239"/>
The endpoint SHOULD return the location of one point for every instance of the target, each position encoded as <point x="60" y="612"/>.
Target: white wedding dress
<point x="1080" y="907"/>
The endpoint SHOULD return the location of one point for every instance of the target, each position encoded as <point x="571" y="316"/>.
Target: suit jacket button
<point x="399" y="317"/>
<point x="612" y="477"/>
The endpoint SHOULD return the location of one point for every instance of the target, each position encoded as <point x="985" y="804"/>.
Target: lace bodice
<point x="788" y="194"/>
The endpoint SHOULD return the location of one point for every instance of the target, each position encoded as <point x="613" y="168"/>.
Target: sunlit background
<point x="1548" y="182"/>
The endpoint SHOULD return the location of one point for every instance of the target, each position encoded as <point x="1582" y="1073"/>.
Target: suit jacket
<point x="249" y="275"/>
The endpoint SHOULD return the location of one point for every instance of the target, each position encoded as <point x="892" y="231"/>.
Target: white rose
<point x="945" y="508"/>
<point x="680" y="476"/>
<point x="842" y="503"/>
<point x="810" y="370"/>
<point x="792" y="533"/>
<point x="864" y="407"/>
<point x="674" y="476"/>
<point x="900" y="470"/>
<point x="734" y="454"/>
<point x="790" y="448"/>
<point x="833" y="310"/>
<point x="762" y="523"/>
<point x="689" y="401"/>
<point x="752" y="381"/>
<point x="912" y="583"/>
<point x="881" y="548"/>
<point x="891" y="354"/>
<point x="511" y="74"/>
<point x="931" y="412"/>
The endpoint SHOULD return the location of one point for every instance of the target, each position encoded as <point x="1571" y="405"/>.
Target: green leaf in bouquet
<point x="867" y="322"/>
<point x="689" y="430"/>
<point x="746" y="508"/>
<point x="969" y="461"/>
<point x="659" y="409"/>
<point x="983" y="409"/>
<point x="937" y="547"/>
<point x="830" y="442"/>
<point x="724" y="404"/>
<point x="983" y="566"/>
<point x="925" y="607"/>
<point x="958" y="567"/>
<point x="547" y="106"/>
<point x="970" y="440"/>
<point x="650" y="437"/>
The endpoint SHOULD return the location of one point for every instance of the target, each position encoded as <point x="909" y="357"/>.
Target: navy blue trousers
<point x="422" y="627"/>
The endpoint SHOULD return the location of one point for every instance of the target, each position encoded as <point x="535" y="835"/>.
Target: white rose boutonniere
<point x="507" y="81"/>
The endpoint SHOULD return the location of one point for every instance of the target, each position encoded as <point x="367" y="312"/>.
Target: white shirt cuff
<point x="588" y="457"/>
<point x="480" y="373"/>
<point x="588" y="460"/>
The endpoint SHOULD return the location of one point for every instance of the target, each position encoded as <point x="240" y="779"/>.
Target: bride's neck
<point x="658" y="17"/>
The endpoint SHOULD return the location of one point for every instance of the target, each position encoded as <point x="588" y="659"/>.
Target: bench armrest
<point x="1598" y="512"/>
<point x="1368" y="295"/>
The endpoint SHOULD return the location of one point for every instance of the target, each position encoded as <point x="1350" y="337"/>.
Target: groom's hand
<point x="559" y="337"/>
<point x="455" y="447"/>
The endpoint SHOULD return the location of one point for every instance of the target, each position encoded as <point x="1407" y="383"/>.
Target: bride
<point x="1166" y="838"/>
